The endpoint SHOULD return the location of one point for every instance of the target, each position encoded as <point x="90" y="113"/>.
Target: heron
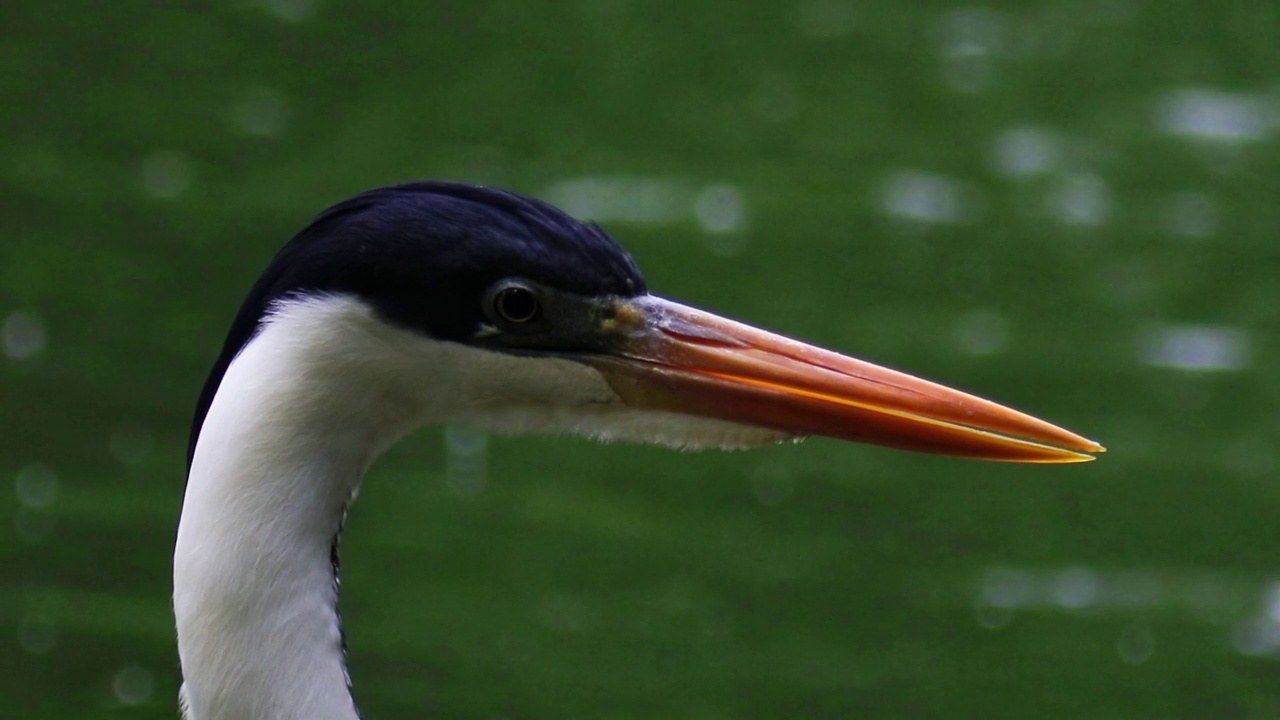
<point x="436" y="302"/>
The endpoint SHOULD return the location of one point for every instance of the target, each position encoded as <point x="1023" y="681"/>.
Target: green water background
<point x="1069" y="206"/>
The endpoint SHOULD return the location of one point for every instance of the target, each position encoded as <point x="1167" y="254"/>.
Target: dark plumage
<point x="422" y="254"/>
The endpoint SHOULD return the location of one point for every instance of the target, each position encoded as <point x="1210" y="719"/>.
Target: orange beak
<point x="667" y="356"/>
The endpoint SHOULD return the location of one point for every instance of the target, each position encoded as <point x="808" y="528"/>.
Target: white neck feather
<point x="299" y="416"/>
<point x="279" y="456"/>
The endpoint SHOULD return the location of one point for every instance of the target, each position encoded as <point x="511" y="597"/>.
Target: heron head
<point x="489" y="308"/>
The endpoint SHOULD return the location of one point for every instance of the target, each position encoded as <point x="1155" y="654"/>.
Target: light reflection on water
<point x="929" y="198"/>
<point x="1196" y="347"/>
<point x="967" y="40"/>
<point x="466" y="466"/>
<point x="1022" y="152"/>
<point x="717" y="208"/>
<point x="36" y="487"/>
<point x="261" y="112"/>
<point x="1136" y="644"/>
<point x="131" y="442"/>
<point x="24" y="335"/>
<point x="1211" y="115"/>
<point x="37" y="634"/>
<point x="1080" y="199"/>
<point x="1249" y="611"/>
<point x="133" y="685"/>
<point x="981" y="332"/>
<point x="293" y="11"/>
<point x="166" y="174"/>
<point x="1260" y="634"/>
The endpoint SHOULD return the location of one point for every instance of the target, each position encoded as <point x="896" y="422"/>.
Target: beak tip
<point x="1070" y="441"/>
<point x="1082" y="452"/>
<point x="1093" y="446"/>
<point x="1089" y="453"/>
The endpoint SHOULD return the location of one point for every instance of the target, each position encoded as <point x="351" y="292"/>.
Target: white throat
<point x="300" y="414"/>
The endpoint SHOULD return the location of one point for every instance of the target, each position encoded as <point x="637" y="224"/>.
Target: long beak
<point x="671" y="357"/>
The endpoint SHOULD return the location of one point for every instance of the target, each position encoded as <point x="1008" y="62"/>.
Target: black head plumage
<point x="422" y="255"/>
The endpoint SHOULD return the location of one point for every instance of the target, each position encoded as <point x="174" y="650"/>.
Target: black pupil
<point x="517" y="305"/>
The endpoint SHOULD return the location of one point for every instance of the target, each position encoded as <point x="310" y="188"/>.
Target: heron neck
<point x="287" y="438"/>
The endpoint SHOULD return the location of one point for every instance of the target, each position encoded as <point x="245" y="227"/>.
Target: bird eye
<point x="516" y="305"/>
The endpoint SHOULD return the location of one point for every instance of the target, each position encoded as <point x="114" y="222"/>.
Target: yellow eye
<point x="517" y="305"/>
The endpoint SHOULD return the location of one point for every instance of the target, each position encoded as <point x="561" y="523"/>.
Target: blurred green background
<point x="1069" y="206"/>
